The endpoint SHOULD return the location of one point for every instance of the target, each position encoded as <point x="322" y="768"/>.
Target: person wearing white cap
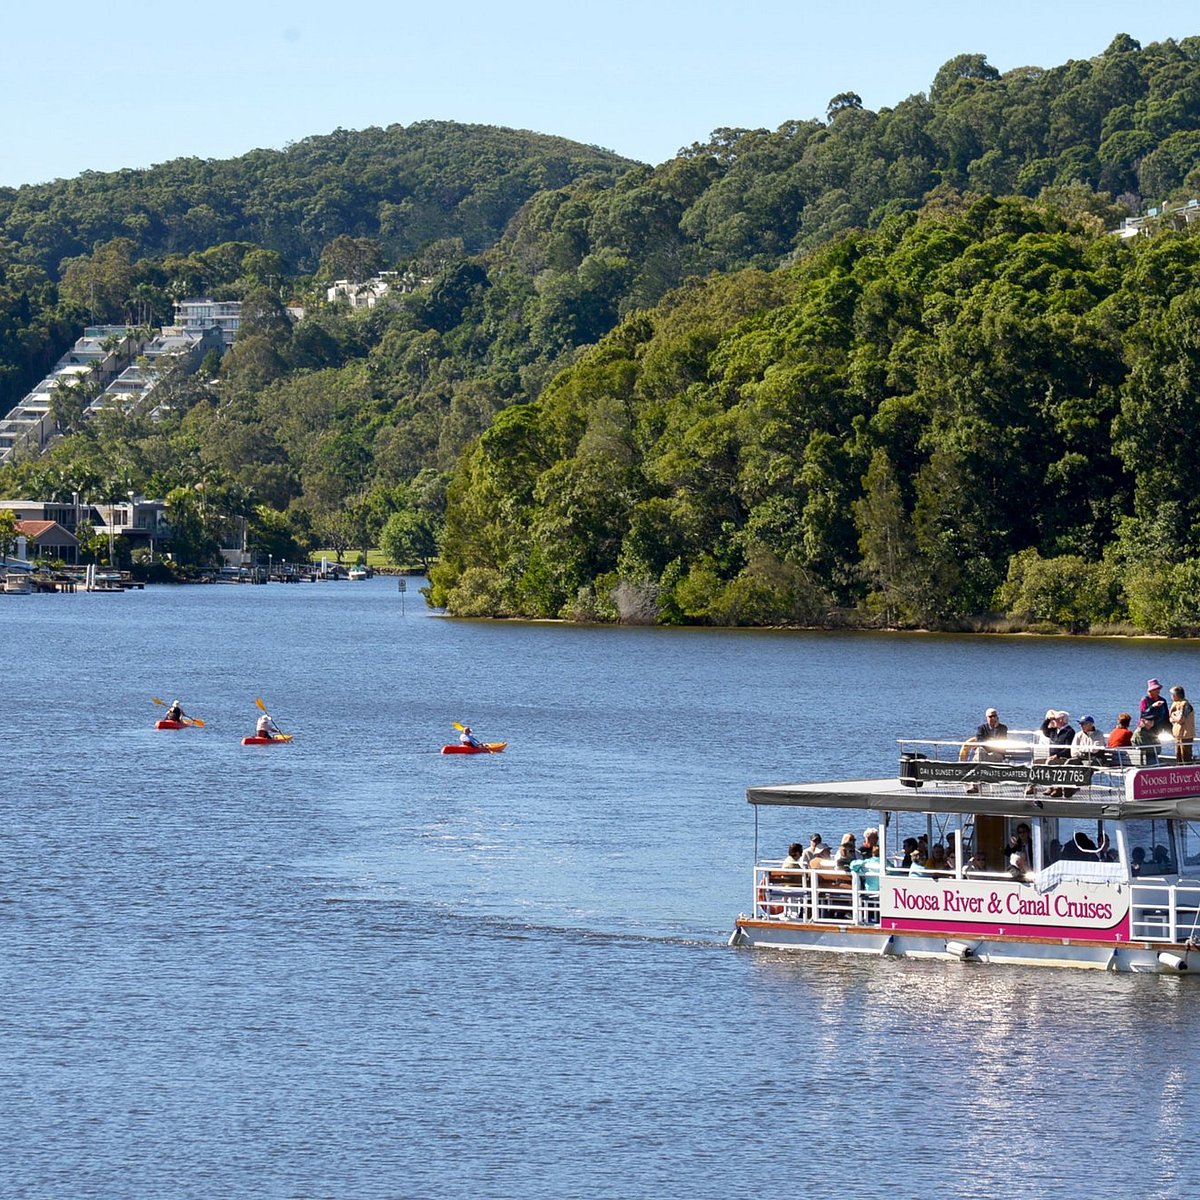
<point x="1155" y="707"/>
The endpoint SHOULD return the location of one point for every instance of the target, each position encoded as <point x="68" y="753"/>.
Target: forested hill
<point x="405" y="186"/>
<point x="888" y="364"/>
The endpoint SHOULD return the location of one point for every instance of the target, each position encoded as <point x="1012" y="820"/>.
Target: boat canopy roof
<point x="887" y="795"/>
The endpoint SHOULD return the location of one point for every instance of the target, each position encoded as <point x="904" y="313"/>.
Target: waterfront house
<point x="48" y="539"/>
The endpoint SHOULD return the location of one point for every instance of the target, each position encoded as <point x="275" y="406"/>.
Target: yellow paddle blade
<point x="460" y="728"/>
<point x="258" y="701"/>
<point x="156" y="700"/>
<point x="196" y="721"/>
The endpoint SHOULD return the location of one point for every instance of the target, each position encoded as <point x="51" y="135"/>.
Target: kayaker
<point x="175" y="712"/>
<point x="467" y="738"/>
<point x="266" y="728"/>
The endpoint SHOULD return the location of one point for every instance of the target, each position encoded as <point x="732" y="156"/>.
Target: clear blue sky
<point x="102" y="86"/>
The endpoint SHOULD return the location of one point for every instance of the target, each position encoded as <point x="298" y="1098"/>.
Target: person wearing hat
<point x="1056" y="729"/>
<point x="1088" y="744"/>
<point x="175" y="712"/>
<point x="1155" y="707"/>
<point x="1183" y="724"/>
<point x="1087" y="747"/>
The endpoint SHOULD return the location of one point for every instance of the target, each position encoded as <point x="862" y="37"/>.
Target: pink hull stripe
<point x="1015" y="932"/>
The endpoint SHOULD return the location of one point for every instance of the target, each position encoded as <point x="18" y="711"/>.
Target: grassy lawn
<point x="375" y="558"/>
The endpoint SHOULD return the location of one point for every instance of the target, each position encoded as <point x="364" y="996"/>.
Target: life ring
<point x="771" y="910"/>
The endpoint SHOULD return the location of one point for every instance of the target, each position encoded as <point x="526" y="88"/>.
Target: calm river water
<point x="352" y="967"/>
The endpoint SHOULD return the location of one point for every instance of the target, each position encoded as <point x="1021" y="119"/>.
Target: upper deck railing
<point x="1023" y="764"/>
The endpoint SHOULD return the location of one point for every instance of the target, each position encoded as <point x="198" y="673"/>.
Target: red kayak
<point x="265" y="741"/>
<point x="486" y="748"/>
<point x="164" y="724"/>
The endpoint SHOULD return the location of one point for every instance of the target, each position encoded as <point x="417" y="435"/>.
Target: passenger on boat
<point x="1183" y="724"/>
<point x="467" y="738"/>
<point x="1145" y="742"/>
<point x="266" y="728"/>
<point x="1020" y="842"/>
<point x="910" y="852"/>
<point x="1087" y="745"/>
<point x="870" y="842"/>
<point x="1087" y="749"/>
<point x="1056" y="730"/>
<point x="917" y="866"/>
<point x="1018" y="866"/>
<point x="1120" y="737"/>
<point x="937" y="859"/>
<point x="816" y="849"/>
<point x="1155" y="707"/>
<point x="1137" y="861"/>
<point x="792" y="862"/>
<point x="992" y="730"/>
<point x="846" y="853"/>
<point x="976" y="864"/>
<point x="867" y="869"/>
<point x="175" y="712"/>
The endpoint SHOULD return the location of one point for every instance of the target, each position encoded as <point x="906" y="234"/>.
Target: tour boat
<point x="1106" y="874"/>
<point x="484" y="748"/>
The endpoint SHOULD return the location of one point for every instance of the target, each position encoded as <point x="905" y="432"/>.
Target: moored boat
<point x="484" y="748"/>
<point x="1105" y="872"/>
<point x="359" y="573"/>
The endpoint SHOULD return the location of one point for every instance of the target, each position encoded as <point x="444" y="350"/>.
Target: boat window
<point x="1078" y="838"/>
<point x="1151" y="847"/>
<point x="1189" y="836"/>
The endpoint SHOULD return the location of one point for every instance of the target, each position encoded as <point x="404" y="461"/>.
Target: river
<point x="353" y="967"/>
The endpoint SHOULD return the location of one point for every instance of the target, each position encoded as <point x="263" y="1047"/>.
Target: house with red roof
<point x="48" y="539"/>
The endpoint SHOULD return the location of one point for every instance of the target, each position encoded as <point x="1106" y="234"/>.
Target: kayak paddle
<point x="283" y="737"/>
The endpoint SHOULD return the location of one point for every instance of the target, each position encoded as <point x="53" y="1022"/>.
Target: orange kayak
<point x="486" y="748"/>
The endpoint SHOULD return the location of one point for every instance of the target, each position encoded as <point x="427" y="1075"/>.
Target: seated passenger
<point x="976" y="864"/>
<point x="1119" y="740"/>
<point x="937" y="858"/>
<point x="846" y="853"/>
<point x="1145" y="742"/>
<point x="867" y="869"/>
<point x="1137" y="861"/>
<point x="1057" y="731"/>
<point x="1018" y="866"/>
<point x="816" y="849"/>
<point x="1087" y="744"/>
<point x="792" y="862"/>
<point x="870" y="841"/>
<point x="993" y="731"/>
<point x="909" y="849"/>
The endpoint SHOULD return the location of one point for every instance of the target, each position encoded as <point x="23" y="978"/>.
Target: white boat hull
<point x="1159" y="958"/>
